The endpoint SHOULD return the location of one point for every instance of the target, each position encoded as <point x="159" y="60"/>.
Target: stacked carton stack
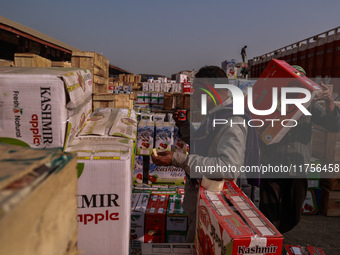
<point x="105" y="154"/>
<point x="48" y="108"/>
<point x="125" y="83"/>
<point x="326" y="147"/>
<point x="132" y="80"/>
<point x="330" y="198"/>
<point x="98" y="66"/>
<point x="161" y="94"/>
<point x="160" y="189"/>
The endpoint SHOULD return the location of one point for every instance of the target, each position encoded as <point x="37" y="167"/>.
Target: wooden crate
<point x="331" y="184"/>
<point x="98" y="66"/>
<point x="6" y="63"/>
<point x="30" y="60"/>
<point x="61" y="64"/>
<point x="121" y="77"/>
<point x="113" y="101"/>
<point x="325" y="145"/>
<point x="138" y="78"/>
<point x="168" y="101"/>
<point x="330" y="202"/>
<point x="45" y="220"/>
<point x="182" y="101"/>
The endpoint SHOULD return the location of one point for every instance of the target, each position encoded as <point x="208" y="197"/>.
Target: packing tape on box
<point x="212" y="185"/>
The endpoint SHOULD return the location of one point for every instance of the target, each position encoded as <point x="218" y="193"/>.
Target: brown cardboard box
<point x="6" y="63"/>
<point x="331" y="184"/>
<point x="325" y="145"/>
<point x="40" y="219"/>
<point x="330" y="202"/>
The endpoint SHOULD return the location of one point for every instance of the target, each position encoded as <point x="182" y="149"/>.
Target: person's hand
<point x="164" y="158"/>
<point x="325" y="95"/>
<point x="175" y="118"/>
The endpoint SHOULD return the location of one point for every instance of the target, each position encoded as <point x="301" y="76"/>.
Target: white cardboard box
<point x="167" y="249"/>
<point x="104" y="196"/>
<point x="137" y="220"/>
<point x="36" y="104"/>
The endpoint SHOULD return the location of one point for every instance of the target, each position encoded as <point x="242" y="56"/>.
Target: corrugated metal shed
<point x="32" y="34"/>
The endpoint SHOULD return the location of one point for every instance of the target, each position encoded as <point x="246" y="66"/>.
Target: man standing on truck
<point x="244" y="54"/>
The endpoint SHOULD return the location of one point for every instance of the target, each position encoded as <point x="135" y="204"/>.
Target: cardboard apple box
<point x="176" y="220"/>
<point x="138" y="219"/>
<point x="155" y="219"/>
<point x="104" y="195"/>
<point x="229" y="223"/>
<point x="43" y="107"/>
<point x="279" y="74"/>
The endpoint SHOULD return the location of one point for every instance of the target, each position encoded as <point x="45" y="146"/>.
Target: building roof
<point x="24" y="31"/>
<point x="35" y="35"/>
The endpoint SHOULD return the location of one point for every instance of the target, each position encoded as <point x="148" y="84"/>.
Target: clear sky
<point x="164" y="37"/>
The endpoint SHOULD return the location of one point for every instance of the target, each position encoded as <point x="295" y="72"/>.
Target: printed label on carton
<point x="155" y="219"/>
<point x="170" y="175"/>
<point x="137" y="221"/>
<point x="224" y="228"/>
<point x="137" y="176"/>
<point x="164" y="136"/>
<point x="145" y="137"/>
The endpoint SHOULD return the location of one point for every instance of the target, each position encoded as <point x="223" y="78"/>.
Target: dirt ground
<point x="316" y="230"/>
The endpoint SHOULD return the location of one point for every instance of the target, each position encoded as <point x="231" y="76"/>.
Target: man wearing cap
<point x="281" y="200"/>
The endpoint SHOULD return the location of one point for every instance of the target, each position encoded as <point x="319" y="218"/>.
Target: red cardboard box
<point x="299" y="250"/>
<point x="155" y="219"/>
<point x="279" y="74"/>
<point x="314" y="250"/>
<point x="187" y="88"/>
<point x="229" y="223"/>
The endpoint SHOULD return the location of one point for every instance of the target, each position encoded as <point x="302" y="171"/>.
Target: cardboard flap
<point x="17" y="161"/>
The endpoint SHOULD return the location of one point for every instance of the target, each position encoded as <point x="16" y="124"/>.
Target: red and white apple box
<point x="279" y="74"/>
<point x="224" y="228"/>
<point x="155" y="219"/>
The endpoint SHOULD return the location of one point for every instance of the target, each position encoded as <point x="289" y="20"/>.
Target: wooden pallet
<point x="30" y="60"/>
<point x="98" y="66"/>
